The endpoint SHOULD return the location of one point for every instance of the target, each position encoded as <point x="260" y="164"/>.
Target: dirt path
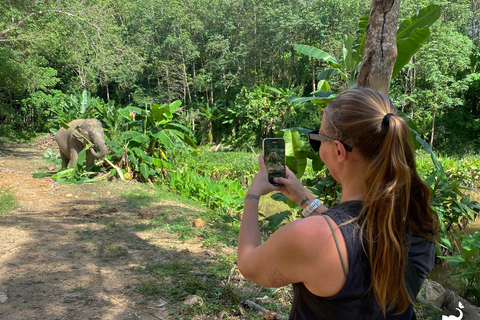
<point x="67" y="251"/>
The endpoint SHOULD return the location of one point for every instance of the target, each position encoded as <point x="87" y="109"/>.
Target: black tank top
<point x="355" y="301"/>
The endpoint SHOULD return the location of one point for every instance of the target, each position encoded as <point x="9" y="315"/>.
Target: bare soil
<point x="61" y="253"/>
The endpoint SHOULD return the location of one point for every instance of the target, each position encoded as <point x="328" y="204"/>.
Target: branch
<point x="71" y="15"/>
<point x="266" y="314"/>
<point x="8" y="40"/>
<point x="119" y="171"/>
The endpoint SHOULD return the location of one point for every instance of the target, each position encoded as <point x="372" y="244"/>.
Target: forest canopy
<point x="232" y="63"/>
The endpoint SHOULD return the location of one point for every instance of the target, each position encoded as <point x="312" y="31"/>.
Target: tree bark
<point x="380" y="50"/>
<point x="433" y="126"/>
<point x="313" y="75"/>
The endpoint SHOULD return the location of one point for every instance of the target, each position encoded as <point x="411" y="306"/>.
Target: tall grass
<point x="240" y="166"/>
<point x="467" y="167"/>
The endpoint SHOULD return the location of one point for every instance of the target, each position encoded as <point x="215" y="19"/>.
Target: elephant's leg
<point x="64" y="159"/>
<point x="73" y="158"/>
<point x="90" y="158"/>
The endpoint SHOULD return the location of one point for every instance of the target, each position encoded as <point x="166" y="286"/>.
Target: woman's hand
<point x="289" y="186"/>
<point x="260" y="185"/>
<point x="293" y="189"/>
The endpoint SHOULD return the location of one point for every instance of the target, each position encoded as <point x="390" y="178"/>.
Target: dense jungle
<point x="185" y="91"/>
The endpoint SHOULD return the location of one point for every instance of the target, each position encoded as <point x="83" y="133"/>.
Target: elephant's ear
<point x="78" y="136"/>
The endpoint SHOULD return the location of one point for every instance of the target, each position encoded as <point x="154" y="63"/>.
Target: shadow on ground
<point x="76" y="251"/>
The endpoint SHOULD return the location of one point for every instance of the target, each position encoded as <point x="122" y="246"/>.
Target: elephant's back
<point x="76" y="123"/>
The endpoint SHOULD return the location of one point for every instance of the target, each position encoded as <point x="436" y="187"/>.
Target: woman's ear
<point x="340" y="151"/>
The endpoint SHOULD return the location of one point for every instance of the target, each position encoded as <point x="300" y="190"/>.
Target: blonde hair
<point x="396" y="201"/>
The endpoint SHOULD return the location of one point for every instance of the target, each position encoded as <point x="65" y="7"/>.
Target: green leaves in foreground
<point x="151" y="142"/>
<point x="224" y="193"/>
<point x="77" y="174"/>
<point x="297" y="153"/>
<point x="467" y="262"/>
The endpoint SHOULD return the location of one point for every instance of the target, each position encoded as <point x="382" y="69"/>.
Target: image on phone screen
<point x="274" y="155"/>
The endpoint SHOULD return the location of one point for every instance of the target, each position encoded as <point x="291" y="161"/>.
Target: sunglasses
<point x="316" y="140"/>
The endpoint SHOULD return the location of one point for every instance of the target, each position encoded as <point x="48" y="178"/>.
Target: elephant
<point x="70" y="142"/>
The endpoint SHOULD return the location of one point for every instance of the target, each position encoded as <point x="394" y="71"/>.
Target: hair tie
<point x="386" y="120"/>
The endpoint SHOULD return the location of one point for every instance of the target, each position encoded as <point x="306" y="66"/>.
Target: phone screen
<point x="274" y="155"/>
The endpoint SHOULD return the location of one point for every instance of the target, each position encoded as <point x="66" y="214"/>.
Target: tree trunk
<point x="380" y="50"/>
<point x="210" y="134"/>
<point x="211" y="88"/>
<point x="313" y="75"/>
<point x="186" y="88"/>
<point x="433" y="126"/>
<point x="168" y="84"/>
<point x="297" y="74"/>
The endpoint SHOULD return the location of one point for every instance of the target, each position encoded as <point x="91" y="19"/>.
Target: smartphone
<point x="274" y="156"/>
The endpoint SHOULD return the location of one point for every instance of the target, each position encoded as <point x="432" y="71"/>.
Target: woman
<point x="366" y="257"/>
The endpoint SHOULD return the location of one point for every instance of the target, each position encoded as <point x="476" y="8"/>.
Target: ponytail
<point x="396" y="201"/>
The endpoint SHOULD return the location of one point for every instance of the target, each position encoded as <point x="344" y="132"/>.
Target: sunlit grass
<point x="7" y="201"/>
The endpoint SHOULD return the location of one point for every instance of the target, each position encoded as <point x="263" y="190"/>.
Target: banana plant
<point x="78" y="106"/>
<point x="151" y="139"/>
<point x="348" y="71"/>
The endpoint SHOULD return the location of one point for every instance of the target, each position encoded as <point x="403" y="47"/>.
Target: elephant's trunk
<point x="103" y="150"/>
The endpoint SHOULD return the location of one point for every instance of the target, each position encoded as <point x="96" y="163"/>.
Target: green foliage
<point x="25" y="85"/>
<point x="78" y="106"/>
<point x="239" y="166"/>
<point x="151" y="138"/>
<point x="297" y="151"/>
<point x="434" y="87"/>
<point x="109" y="115"/>
<point x="455" y="208"/>
<point x="204" y="54"/>
<point x="77" y="174"/>
<point x="7" y="201"/>
<point x="224" y="194"/>
<point x="348" y="71"/>
<point x="412" y="33"/>
<point x="455" y="139"/>
<point x="468" y="169"/>
<point x="260" y="114"/>
<point x="467" y="262"/>
<point x="448" y="197"/>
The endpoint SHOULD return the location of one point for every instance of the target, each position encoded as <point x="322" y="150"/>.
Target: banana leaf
<point x="424" y="18"/>
<point x="406" y="48"/>
<point x="360" y="43"/>
<point x="330" y="73"/>
<point x="348" y="58"/>
<point x="317" y="53"/>
<point x="161" y="112"/>
<point x="294" y="145"/>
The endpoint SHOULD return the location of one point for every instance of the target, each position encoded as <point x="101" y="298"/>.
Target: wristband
<point x="311" y="207"/>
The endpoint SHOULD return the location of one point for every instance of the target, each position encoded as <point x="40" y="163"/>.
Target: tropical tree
<point x="440" y="85"/>
<point x="412" y="34"/>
